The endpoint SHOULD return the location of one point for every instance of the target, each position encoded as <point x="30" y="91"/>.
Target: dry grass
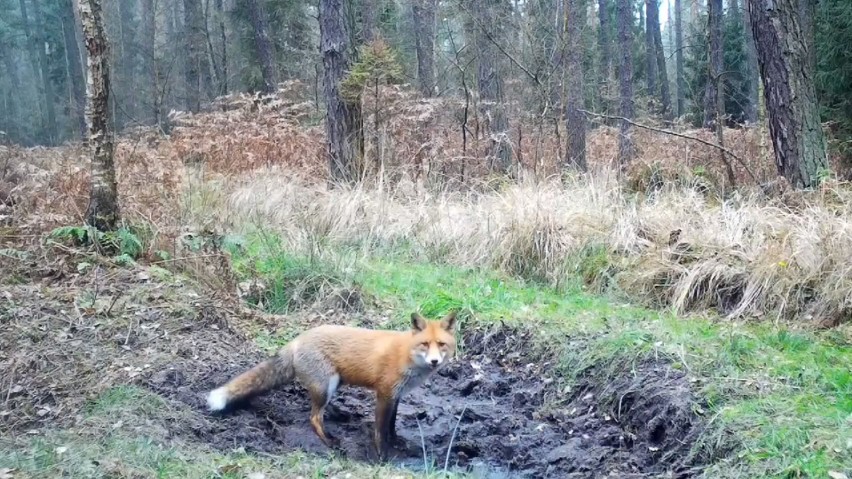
<point x="664" y="236"/>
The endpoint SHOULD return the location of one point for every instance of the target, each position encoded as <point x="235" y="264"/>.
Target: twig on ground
<point x="452" y="438"/>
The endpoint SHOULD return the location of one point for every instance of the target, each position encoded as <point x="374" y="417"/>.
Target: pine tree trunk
<point x="75" y="68"/>
<point x="194" y="39"/>
<point x="149" y="62"/>
<point x="716" y="63"/>
<point x="424" y="44"/>
<point x="681" y="82"/>
<point x="343" y="123"/>
<point x="575" y="120"/>
<point x="626" y="150"/>
<point x="605" y="63"/>
<point x="223" y="39"/>
<point x="650" y="52"/>
<point x="490" y="83"/>
<point x="103" y="211"/>
<point x="11" y="99"/>
<point x="39" y="58"/>
<point x="263" y="45"/>
<point x="751" y="76"/>
<point x="784" y="54"/>
<point x="663" y="76"/>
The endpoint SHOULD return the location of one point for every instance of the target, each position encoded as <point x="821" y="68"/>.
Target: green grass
<point x="781" y="398"/>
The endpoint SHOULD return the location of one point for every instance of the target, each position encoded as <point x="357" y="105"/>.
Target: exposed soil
<point x="506" y="428"/>
<point x="67" y="336"/>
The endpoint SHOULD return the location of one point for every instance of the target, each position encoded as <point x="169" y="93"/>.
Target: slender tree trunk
<point x="784" y="53"/>
<point x="149" y="62"/>
<point x="343" y="123"/>
<point x="39" y="57"/>
<point x="194" y="38"/>
<point x="681" y="83"/>
<point x="424" y="43"/>
<point x="650" y="52"/>
<point x="490" y="82"/>
<point x="223" y="38"/>
<point x="263" y="45"/>
<point x="12" y="110"/>
<point x="751" y="75"/>
<point x="369" y="21"/>
<point x="575" y="120"/>
<point x="103" y="210"/>
<point x="626" y="150"/>
<point x="665" y="96"/>
<point x="605" y="63"/>
<point x="75" y="68"/>
<point x="716" y="63"/>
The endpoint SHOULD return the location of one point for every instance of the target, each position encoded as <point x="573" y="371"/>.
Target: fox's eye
<point x="441" y="344"/>
<point x="425" y="344"/>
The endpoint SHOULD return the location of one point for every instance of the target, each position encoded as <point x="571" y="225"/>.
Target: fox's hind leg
<point x="321" y="380"/>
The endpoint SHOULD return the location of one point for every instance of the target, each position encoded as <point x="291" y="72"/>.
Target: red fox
<point x="390" y="363"/>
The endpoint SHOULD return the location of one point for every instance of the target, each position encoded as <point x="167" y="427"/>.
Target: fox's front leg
<point x="382" y="427"/>
<point x="392" y="426"/>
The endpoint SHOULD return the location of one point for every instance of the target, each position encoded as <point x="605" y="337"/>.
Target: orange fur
<point x="387" y="362"/>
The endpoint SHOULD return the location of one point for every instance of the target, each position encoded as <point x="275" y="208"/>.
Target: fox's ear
<point x="449" y="321"/>
<point x="418" y="323"/>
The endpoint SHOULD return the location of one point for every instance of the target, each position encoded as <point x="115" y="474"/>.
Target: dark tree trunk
<point x="490" y="83"/>
<point x="663" y="76"/>
<point x="751" y="76"/>
<point x="126" y="62"/>
<point x="149" y="62"/>
<point x="575" y="120"/>
<point x="424" y="43"/>
<point x="343" y="123"/>
<point x="194" y="39"/>
<point x="650" y="52"/>
<point x="39" y="58"/>
<point x="75" y="68"/>
<point x="625" y="78"/>
<point x="103" y="211"/>
<point x="263" y="45"/>
<point x="786" y="66"/>
<point x="716" y="63"/>
<point x="681" y="83"/>
<point x="11" y="99"/>
<point x="223" y="39"/>
<point x="605" y="63"/>
<point x="369" y="21"/>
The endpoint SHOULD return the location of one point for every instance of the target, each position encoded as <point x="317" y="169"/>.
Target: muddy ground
<point x="68" y="336"/>
<point x="513" y="420"/>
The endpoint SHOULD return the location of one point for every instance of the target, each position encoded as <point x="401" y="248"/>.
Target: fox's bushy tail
<point x="265" y="376"/>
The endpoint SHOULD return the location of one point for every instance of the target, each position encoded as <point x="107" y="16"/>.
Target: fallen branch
<point x="679" y="135"/>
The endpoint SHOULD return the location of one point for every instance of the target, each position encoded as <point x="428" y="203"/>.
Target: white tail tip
<point x="217" y="399"/>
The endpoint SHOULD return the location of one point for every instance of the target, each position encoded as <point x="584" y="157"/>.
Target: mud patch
<point x="495" y="410"/>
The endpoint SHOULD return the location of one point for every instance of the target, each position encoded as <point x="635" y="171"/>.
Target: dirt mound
<point x="496" y="407"/>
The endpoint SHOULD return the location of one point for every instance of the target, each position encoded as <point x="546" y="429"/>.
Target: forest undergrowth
<point x="745" y="296"/>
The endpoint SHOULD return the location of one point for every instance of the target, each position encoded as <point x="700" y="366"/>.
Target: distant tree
<point x="715" y="70"/>
<point x="574" y="89"/>
<point x="369" y="20"/>
<point x="343" y="122"/>
<point x="784" y="53"/>
<point x="263" y="45"/>
<point x="626" y="149"/>
<point x="604" y="55"/>
<point x="424" y="42"/>
<point x="650" y="50"/>
<point x="41" y="69"/>
<point x="197" y="71"/>
<point x="74" y="67"/>
<point x="103" y="210"/>
<point x="149" y="62"/>
<point x="751" y="79"/>
<point x="660" y="59"/>
<point x="679" y="46"/>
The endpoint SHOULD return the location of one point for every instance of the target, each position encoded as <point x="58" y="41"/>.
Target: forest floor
<point x="106" y="366"/>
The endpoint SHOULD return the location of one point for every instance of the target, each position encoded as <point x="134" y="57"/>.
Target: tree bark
<point x="605" y="63"/>
<point x="665" y="96"/>
<point x="681" y="83"/>
<point x="369" y="21"/>
<point x="490" y="83"/>
<point x="103" y="210"/>
<point x="716" y="63"/>
<point x="12" y="98"/>
<point x="343" y="123"/>
<point x="149" y="62"/>
<point x="786" y="65"/>
<point x="223" y="38"/>
<point x="626" y="149"/>
<point x="424" y="43"/>
<point x="650" y="52"/>
<point x="194" y="39"/>
<point x="263" y="45"/>
<point x="751" y="75"/>
<point x="75" y="68"/>
<point x="575" y="119"/>
<point x="39" y="58"/>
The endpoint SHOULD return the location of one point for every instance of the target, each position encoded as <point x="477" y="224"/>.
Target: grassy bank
<point x="777" y="401"/>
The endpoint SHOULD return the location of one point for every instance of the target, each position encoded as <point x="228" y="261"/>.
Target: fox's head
<point x="433" y="342"/>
